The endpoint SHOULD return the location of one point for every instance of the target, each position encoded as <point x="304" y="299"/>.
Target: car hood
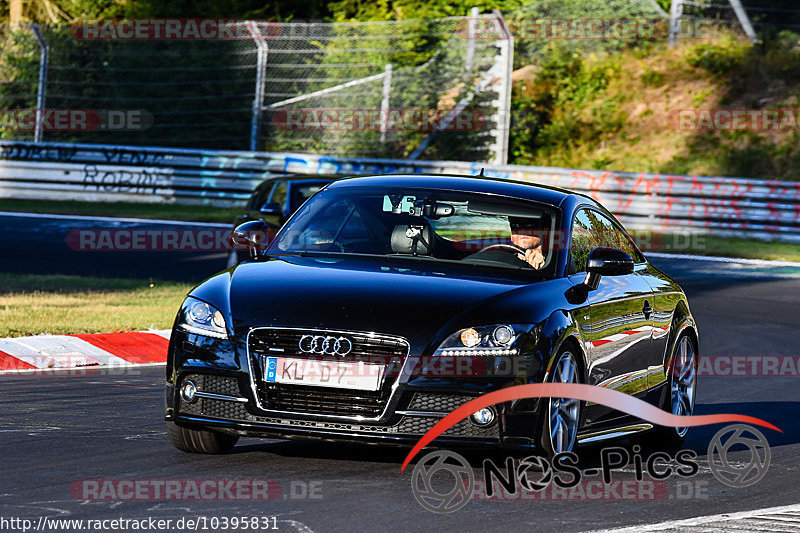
<point x="413" y="299"/>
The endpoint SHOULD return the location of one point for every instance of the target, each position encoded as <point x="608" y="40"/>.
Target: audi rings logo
<point x="325" y="345"/>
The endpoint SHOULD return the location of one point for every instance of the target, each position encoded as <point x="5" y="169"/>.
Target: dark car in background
<point x="275" y="199"/>
<point x="386" y="302"/>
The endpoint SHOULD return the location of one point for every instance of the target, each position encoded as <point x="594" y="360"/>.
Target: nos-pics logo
<point x="443" y="481"/>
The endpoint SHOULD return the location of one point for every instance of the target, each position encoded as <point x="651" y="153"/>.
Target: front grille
<point x="440" y="403"/>
<point x="303" y="399"/>
<point x="339" y="402"/>
<point x="273" y="341"/>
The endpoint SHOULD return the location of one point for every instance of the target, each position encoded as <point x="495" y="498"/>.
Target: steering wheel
<point x="505" y="247"/>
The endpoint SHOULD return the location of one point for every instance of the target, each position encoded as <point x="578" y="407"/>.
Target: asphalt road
<point x="49" y="244"/>
<point x="58" y="428"/>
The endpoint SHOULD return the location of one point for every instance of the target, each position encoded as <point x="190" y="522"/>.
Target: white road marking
<point x="299" y="526"/>
<point x="116" y="219"/>
<point x="762" y="514"/>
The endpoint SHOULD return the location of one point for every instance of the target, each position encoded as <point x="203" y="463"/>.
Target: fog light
<point x="484" y="417"/>
<point x="188" y="391"/>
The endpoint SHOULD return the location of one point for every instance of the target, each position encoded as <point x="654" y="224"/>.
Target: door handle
<point x="647" y="310"/>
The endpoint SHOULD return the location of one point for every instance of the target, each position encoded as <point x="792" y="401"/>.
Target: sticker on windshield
<point x="399" y="205"/>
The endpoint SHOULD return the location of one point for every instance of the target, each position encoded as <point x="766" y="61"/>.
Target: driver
<point x="527" y="234"/>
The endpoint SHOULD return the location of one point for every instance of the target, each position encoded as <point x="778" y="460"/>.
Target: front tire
<point x="681" y="391"/>
<point x="200" y="440"/>
<point x="561" y="416"/>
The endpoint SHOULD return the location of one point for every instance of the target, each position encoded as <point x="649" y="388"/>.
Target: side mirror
<point x="271" y="209"/>
<point x="255" y="234"/>
<point x="606" y="262"/>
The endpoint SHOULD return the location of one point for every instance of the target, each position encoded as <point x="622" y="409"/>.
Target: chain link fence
<point x="388" y="89"/>
<point x="429" y="89"/>
<point x="583" y="26"/>
<point x="755" y="19"/>
<point x="102" y="89"/>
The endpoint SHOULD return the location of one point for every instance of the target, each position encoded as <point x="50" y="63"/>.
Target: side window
<point x="259" y="196"/>
<point x="587" y="232"/>
<point x="616" y="238"/>
<point x="592" y="229"/>
<point x="279" y="193"/>
<point x="302" y="193"/>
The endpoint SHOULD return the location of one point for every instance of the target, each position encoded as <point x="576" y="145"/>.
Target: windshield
<point x="423" y="224"/>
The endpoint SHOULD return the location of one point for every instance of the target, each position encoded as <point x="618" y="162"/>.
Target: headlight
<point x="500" y="339"/>
<point x="202" y="319"/>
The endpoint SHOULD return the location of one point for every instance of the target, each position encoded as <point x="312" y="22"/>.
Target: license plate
<point x="337" y="374"/>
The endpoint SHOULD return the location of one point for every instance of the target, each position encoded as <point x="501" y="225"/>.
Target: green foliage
<point x="563" y="108"/>
<point x="718" y="57"/>
<point x="653" y="78"/>
<point x="240" y="9"/>
<point x="530" y="47"/>
<point x="19" y="76"/>
<point x="412" y="9"/>
<point x="71" y="10"/>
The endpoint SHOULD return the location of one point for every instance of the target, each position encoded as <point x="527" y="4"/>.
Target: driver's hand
<point x="533" y="257"/>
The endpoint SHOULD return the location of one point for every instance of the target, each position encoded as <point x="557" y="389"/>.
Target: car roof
<point x="306" y="177"/>
<point x="486" y="185"/>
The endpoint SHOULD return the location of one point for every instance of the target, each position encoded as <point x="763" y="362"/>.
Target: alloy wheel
<point x="564" y="412"/>
<point x="683" y="381"/>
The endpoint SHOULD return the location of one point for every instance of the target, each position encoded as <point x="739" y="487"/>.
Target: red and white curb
<point x="58" y="352"/>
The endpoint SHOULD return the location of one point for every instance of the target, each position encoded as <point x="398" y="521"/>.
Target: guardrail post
<point x="387" y="91"/>
<point x="258" y="97"/>
<point x="675" y="12"/>
<point x="503" y="101"/>
<point x="744" y="20"/>
<point x="42" y="89"/>
<point x="472" y="30"/>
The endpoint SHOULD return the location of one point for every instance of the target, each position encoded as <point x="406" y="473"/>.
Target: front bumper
<point x="419" y="411"/>
<point x="232" y="400"/>
<point x="236" y="414"/>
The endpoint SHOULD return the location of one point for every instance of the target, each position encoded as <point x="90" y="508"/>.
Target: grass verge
<point x="729" y="247"/>
<point x="32" y="304"/>
<point x="712" y="245"/>
<point x="192" y="213"/>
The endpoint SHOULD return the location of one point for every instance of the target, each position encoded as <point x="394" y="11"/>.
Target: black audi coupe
<point x="385" y="302"/>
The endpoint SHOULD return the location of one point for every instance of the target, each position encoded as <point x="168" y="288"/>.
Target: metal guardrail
<point x="663" y="203"/>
